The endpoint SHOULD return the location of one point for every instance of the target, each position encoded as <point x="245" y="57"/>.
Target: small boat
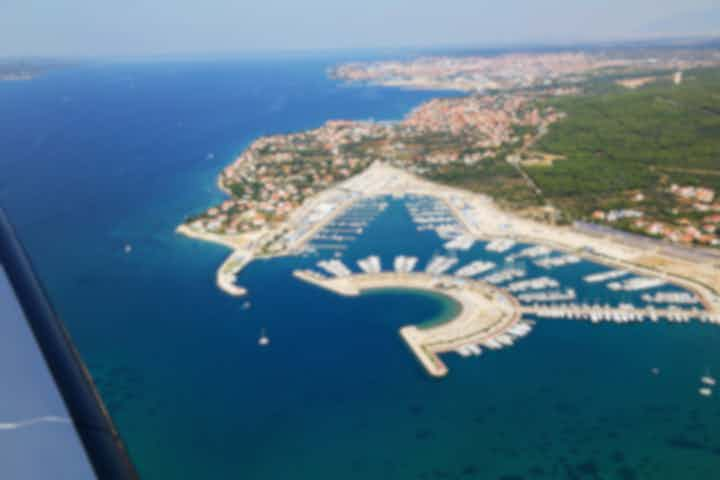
<point x="705" y="392"/>
<point x="708" y="380"/>
<point x="263" y="341"/>
<point x="246" y="305"/>
<point x="128" y="248"/>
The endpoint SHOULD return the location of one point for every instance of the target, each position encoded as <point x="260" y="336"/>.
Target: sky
<point x="175" y="27"/>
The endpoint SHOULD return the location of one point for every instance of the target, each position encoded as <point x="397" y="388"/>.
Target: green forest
<point x="623" y="140"/>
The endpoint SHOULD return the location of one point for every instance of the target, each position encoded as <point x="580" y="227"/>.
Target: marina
<point x="502" y="281"/>
<point x="335" y="221"/>
<point x="497" y="280"/>
<point x="336" y="393"/>
<point x="495" y="286"/>
<point x="342" y="227"/>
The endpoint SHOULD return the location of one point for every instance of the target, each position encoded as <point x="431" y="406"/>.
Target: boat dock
<point x="370" y="264"/>
<point x="561" y="261"/>
<point x="636" y="283"/>
<point x="474" y="268"/>
<point x="624" y="313"/>
<point x="440" y="264"/>
<point x="404" y="264"/>
<point x="500" y="245"/>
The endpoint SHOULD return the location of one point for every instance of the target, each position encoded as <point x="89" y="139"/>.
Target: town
<point x="276" y="174"/>
<point x="516" y="71"/>
<point x="695" y="219"/>
<point x="498" y="144"/>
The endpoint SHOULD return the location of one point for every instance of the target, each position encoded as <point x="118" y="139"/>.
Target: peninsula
<point x="488" y="158"/>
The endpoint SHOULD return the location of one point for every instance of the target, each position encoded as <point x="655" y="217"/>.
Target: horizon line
<point x="638" y="41"/>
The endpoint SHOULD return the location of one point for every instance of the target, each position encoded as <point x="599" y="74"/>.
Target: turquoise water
<point x="109" y="154"/>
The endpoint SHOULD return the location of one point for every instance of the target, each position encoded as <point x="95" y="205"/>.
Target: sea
<point x="108" y="154"/>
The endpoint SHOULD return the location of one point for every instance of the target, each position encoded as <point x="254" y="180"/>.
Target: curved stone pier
<point x="485" y="311"/>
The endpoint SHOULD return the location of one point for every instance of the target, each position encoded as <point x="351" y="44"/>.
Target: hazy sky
<point x="138" y="27"/>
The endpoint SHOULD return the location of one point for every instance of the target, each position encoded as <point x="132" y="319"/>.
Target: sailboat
<point x="263" y="341"/>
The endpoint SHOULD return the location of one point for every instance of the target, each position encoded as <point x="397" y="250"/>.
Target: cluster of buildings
<point x="697" y="218"/>
<point x="699" y="194"/>
<point x="504" y="72"/>
<point x="688" y="234"/>
<point x="615" y="215"/>
<point x="516" y="71"/>
<point x="277" y="173"/>
<point x="489" y="119"/>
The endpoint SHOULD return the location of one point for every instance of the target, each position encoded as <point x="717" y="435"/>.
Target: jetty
<point x="404" y="264"/>
<point x="561" y="261"/>
<point x="370" y="264"/>
<point x="623" y="313"/>
<point x="488" y="316"/>
<point x="636" y="283"/>
<point x="505" y="275"/>
<point x="226" y="275"/>
<point x="474" y="268"/>
<point x="440" y="264"/>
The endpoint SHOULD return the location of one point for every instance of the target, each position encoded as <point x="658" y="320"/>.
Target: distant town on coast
<point x="542" y="134"/>
<point x="602" y="157"/>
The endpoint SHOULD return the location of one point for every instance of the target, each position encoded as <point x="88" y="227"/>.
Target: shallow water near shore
<point x="106" y="155"/>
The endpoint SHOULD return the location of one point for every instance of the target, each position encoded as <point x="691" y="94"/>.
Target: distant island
<point x="574" y="141"/>
<point x="19" y="70"/>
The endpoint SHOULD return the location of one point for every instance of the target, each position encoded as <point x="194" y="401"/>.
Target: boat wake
<point x="33" y="421"/>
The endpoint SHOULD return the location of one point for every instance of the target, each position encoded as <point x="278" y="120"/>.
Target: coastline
<point x="602" y="250"/>
<point x="226" y="274"/>
<point x="470" y="209"/>
<point x="331" y="375"/>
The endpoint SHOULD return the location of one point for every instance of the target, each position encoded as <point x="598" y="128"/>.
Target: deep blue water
<point x="99" y="156"/>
